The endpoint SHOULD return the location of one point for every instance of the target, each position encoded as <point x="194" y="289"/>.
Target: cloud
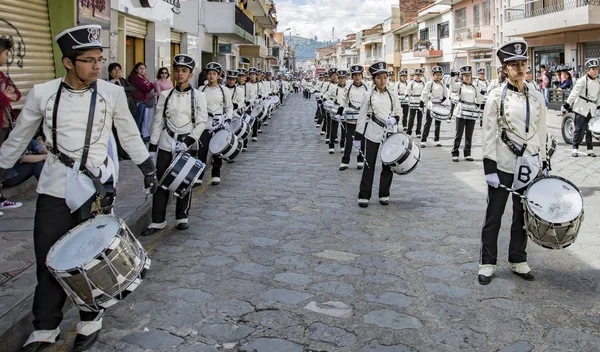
<point x="310" y="18"/>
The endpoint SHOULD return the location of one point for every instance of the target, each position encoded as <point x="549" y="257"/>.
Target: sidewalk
<point x="17" y="259"/>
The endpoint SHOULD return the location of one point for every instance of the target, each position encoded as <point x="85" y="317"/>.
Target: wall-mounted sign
<point x="148" y="3"/>
<point x="94" y="12"/>
<point x="175" y="3"/>
<point x="224" y="48"/>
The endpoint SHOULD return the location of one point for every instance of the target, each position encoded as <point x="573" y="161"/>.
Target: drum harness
<point x="101" y="189"/>
<point x="460" y="100"/>
<point x="210" y="114"/>
<point x="171" y="133"/>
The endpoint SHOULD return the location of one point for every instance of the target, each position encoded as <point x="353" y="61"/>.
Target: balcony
<point x="263" y="13"/>
<point x="428" y="53"/>
<point x="256" y="51"/>
<point x="370" y="59"/>
<point x="228" y="22"/>
<point x="473" y="38"/>
<point x="545" y="17"/>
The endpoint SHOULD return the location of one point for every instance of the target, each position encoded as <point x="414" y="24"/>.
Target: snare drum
<point x="181" y="175"/>
<point x="594" y="126"/>
<point x="249" y="118"/>
<point x="556" y="224"/>
<point x="98" y="262"/>
<point x="469" y="112"/>
<point x="351" y="116"/>
<point x="551" y="145"/>
<point x="400" y="153"/>
<point x="440" y="112"/>
<point x="239" y="127"/>
<point x="225" y="144"/>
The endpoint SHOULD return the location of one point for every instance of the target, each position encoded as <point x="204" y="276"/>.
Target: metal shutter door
<point x="135" y="27"/>
<point x="175" y="37"/>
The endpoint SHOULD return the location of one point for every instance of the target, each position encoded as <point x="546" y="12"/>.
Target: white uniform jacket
<point x="274" y="87"/>
<point x="391" y="86"/>
<point x="401" y="91"/>
<point x="496" y="155"/>
<point x="467" y="98"/>
<point x="237" y="93"/>
<point x="264" y="89"/>
<point x="585" y="96"/>
<point x="331" y="93"/>
<point x="178" y="119"/>
<point x="495" y="84"/>
<point x="414" y="91"/>
<point x="354" y="98"/>
<point x="383" y="105"/>
<point x="111" y="109"/>
<point x="433" y="92"/>
<point x="342" y="94"/>
<point x="482" y="87"/>
<point x="218" y="104"/>
<point x="251" y="92"/>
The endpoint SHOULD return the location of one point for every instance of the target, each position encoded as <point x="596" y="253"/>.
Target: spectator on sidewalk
<point x="545" y="84"/>
<point x="162" y="83"/>
<point x="9" y="93"/>
<point x="114" y="76"/>
<point x="566" y="81"/>
<point x="30" y="164"/>
<point x="139" y="79"/>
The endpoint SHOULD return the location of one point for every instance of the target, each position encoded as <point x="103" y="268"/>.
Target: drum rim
<point x="229" y="133"/>
<point x="170" y="168"/>
<point x="192" y="182"/>
<point x="408" y="138"/>
<point x="559" y="224"/>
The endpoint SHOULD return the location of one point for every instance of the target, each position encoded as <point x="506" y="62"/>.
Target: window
<point x="460" y="18"/>
<point x="487" y="18"/>
<point x="424" y="34"/>
<point x="405" y="43"/>
<point x="413" y="41"/>
<point x="444" y="29"/>
<point x="476" y="14"/>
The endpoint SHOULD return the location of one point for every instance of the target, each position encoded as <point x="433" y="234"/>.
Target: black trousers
<point x="497" y="198"/>
<point x="427" y="127"/>
<point x="255" y="127"/>
<point x="385" y="179"/>
<point x="467" y="126"/>
<point x="25" y="171"/>
<point x="343" y="127"/>
<point x="405" y="112"/>
<point x="326" y="126"/>
<point x="319" y="114"/>
<point x="411" y="121"/>
<point x="53" y="219"/>
<point x="581" y="129"/>
<point x="160" y="199"/>
<point x="349" y="132"/>
<point x="217" y="162"/>
<point x="333" y="131"/>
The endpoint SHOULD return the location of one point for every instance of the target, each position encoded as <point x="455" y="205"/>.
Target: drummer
<point x="391" y="86"/>
<point x="180" y="119"/>
<point x="235" y="92"/>
<point x="468" y="97"/>
<point x="264" y="90"/>
<point x="342" y="96"/>
<point x="379" y="114"/>
<point x="352" y="102"/>
<point x="220" y="112"/>
<point x="401" y="87"/>
<point x="435" y="92"/>
<point x="413" y="94"/>
<point x="511" y="142"/>
<point x="252" y="99"/>
<point x="66" y="200"/>
<point x="244" y="104"/>
<point x="329" y="96"/>
<point x="498" y="82"/>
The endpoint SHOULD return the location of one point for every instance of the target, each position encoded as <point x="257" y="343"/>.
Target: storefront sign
<point x="175" y="3"/>
<point x="94" y="12"/>
<point x="224" y="48"/>
<point x="148" y="3"/>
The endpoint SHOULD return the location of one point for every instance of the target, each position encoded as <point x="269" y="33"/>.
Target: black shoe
<point x="83" y="342"/>
<point x="183" y="226"/>
<point x="384" y="202"/>
<point x="150" y="231"/>
<point x="363" y="205"/>
<point x="484" y="280"/>
<point x="529" y="276"/>
<point x="590" y="153"/>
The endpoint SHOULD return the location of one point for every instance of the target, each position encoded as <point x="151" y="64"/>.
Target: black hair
<point x="160" y="69"/>
<point x="112" y="66"/>
<point x="6" y="43"/>
<point x="134" y="71"/>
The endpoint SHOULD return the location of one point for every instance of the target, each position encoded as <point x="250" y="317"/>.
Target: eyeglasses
<point x="92" y="61"/>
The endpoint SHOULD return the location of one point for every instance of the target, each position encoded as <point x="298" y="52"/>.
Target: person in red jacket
<point x="9" y="93"/>
<point x="139" y="79"/>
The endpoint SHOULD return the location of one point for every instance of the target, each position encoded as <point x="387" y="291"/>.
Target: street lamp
<point x="289" y="46"/>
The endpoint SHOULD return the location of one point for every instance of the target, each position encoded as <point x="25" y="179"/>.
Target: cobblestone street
<point x="280" y="258"/>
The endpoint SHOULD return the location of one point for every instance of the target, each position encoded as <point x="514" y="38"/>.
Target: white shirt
<point x="354" y="97"/>
<point x="264" y="88"/>
<point x="179" y="117"/>
<point x="414" y="91"/>
<point x="73" y="108"/>
<point x="515" y="113"/>
<point x="237" y="95"/>
<point x="433" y="91"/>
<point x="251" y="92"/>
<point x="467" y="96"/>
<point x="383" y="105"/>
<point x="587" y="88"/>
<point x="217" y="103"/>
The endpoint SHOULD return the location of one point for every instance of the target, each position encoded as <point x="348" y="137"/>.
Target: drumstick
<point x="520" y="195"/>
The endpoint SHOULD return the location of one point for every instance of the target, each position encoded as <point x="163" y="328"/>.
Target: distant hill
<point x="305" y="47"/>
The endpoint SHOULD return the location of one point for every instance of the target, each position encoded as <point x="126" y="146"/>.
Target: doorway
<point x="548" y="56"/>
<point x="134" y="52"/>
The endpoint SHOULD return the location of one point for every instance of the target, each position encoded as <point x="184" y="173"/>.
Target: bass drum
<point x="400" y="153"/>
<point x="225" y="144"/>
<point x="556" y="224"/>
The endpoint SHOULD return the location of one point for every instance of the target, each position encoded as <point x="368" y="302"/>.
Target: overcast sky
<point x="317" y="17"/>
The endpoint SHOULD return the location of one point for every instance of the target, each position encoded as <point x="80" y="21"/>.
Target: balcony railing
<point x="243" y="21"/>
<point x="473" y="33"/>
<point x="544" y="7"/>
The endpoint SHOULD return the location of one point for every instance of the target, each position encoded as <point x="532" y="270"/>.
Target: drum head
<point x="83" y="243"/>
<point x="560" y="200"/>
<point x="219" y="141"/>
<point x="235" y="125"/>
<point x="394" y="147"/>
<point x="594" y="125"/>
<point x="441" y="110"/>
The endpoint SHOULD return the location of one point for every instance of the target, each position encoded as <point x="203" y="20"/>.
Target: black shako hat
<point x="465" y="69"/>
<point x="591" y="63"/>
<point x="403" y="72"/>
<point x="357" y="69"/>
<point x="332" y="71"/>
<point x="378" y="68"/>
<point x="253" y="70"/>
<point x="232" y="74"/>
<point x="513" y="51"/>
<point x="79" y="38"/>
<point x="214" y="66"/>
<point x="418" y="71"/>
<point x="184" y="60"/>
<point x="242" y="72"/>
<point x="436" y="69"/>
<point x="342" y="73"/>
<point x="481" y="70"/>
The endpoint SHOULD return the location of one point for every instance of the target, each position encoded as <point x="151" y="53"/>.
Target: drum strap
<point x="348" y="97"/>
<point x="460" y="96"/>
<point x="193" y="112"/>
<point x="222" y="93"/>
<point x="518" y="151"/>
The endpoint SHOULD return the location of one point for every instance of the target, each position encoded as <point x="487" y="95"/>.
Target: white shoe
<point x="265" y="123"/>
<point x="520" y="268"/>
<point x="423" y="144"/>
<point x="455" y="159"/>
<point x="254" y="139"/>
<point x="438" y="144"/>
<point x="331" y="150"/>
<point x="384" y="200"/>
<point x="318" y="126"/>
<point x="419" y="135"/>
<point x="341" y="150"/>
<point x="327" y="141"/>
<point x="322" y="133"/>
<point x="216" y="180"/>
<point x="244" y="149"/>
<point x="259" y="131"/>
<point x="360" y="165"/>
<point x="7" y="204"/>
<point x="343" y="166"/>
<point x="363" y="203"/>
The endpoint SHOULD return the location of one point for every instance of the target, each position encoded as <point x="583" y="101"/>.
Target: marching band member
<point x="76" y="114"/>
<point x="236" y="93"/>
<point x="529" y="79"/>
<point x="180" y="119"/>
<point x="264" y="90"/>
<point x="329" y="97"/>
<point x="467" y="97"/>
<point x="379" y="111"/>
<point x="498" y="82"/>
<point x="252" y="97"/>
<point x="352" y="103"/>
<point x="435" y="92"/>
<point x="584" y="101"/>
<point x="413" y="94"/>
<point x="220" y="112"/>
<point x="341" y="96"/>
<point x="391" y="86"/>
<point x="317" y="88"/>
<point x="245" y="104"/>
<point x="513" y="146"/>
<point x="401" y="87"/>
<point x="482" y="85"/>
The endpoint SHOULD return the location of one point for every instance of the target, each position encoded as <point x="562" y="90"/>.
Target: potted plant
<point x="477" y="31"/>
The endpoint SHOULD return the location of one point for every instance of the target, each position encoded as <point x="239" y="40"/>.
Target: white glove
<point x="153" y="156"/>
<point x="338" y="118"/>
<point x="226" y="123"/>
<point x="356" y="144"/>
<point x="181" y="147"/>
<point x="390" y="121"/>
<point x="546" y="172"/>
<point x="492" y="180"/>
<point x="562" y="110"/>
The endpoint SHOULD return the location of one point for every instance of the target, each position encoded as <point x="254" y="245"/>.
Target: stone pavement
<point x="279" y="258"/>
